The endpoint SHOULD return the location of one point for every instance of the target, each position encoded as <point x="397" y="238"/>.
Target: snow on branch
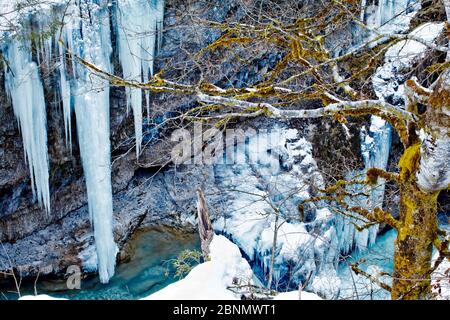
<point x="347" y="108"/>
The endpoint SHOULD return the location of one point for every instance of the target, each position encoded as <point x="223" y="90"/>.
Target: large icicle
<point x="92" y="42"/>
<point x="139" y="33"/>
<point x="64" y="86"/>
<point x="24" y="86"/>
<point x="139" y="24"/>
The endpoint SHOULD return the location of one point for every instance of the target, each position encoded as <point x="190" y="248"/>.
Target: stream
<point x="148" y="270"/>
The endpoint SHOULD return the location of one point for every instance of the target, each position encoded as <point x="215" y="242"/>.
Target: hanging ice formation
<point x="386" y="17"/>
<point x="139" y="24"/>
<point x="91" y="41"/>
<point x="375" y="147"/>
<point x="64" y="86"/>
<point x="24" y="87"/>
<point x="88" y="95"/>
<point x="391" y="16"/>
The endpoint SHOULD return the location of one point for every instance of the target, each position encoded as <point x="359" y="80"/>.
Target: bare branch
<point x="372" y="278"/>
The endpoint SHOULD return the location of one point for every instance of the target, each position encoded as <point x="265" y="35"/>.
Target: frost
<point x="282" y="176"/>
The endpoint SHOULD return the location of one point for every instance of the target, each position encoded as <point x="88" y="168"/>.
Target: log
<point x="205" y="229"/>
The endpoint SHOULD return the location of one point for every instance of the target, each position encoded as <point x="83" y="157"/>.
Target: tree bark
<point x="416" y="233"/>
<point x="414" y="245"/>
<point x="424" y="172"/>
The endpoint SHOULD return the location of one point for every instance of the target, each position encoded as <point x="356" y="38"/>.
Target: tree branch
<point x="337" y="193"/>
<point x="375" y="280"/>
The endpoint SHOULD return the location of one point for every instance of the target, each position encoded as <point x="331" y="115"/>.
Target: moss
<point x="417" y="232"/>
<point x="409" y="161"/>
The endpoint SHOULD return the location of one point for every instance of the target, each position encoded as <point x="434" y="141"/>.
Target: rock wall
<point x="145" y="193"/>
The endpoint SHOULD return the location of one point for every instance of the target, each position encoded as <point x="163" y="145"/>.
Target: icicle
<point x="25" y="89"/>
<point x="91" y="103"/>
<point x="363" y="7"/>
<point x="160" y="22"/>
<point x="139" y="25"/>
<point x="388" y="16"/>
<point x="65" y="97"/>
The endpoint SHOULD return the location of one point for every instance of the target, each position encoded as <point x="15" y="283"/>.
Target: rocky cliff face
<point x="145" y="192"/>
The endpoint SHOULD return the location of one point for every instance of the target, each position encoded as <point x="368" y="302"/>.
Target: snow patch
<point x="40" y="297"/>
<point x="295" y="295"/>
<point x="211" y="280"/>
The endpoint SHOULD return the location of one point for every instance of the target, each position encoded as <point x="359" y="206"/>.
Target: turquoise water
<point x="376" y="259"/>
<point x="148" y="270"/>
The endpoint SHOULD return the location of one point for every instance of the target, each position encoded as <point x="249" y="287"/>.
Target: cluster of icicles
<point x="387" y="16"/>
<point x="85" y="33"/>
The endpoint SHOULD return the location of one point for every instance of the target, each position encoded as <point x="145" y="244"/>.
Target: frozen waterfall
<point x="387" y="17"/>
<point x="138" y="30"/>
<point x="25" y="89"/>
<point x="92" y="42"/>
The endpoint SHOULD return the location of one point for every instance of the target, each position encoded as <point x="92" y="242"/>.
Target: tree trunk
<point x="418" y="230"/>
<point x="414" y="245"/>
<point x="274" y="249"/>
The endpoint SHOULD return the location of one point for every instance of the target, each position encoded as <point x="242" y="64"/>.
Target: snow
<point x="40" y="297"/>
<point x="24" y="87"/>
<point x="210" y="280"/>
<point x="278" y="169"/>
<point x="294" y="295"/>
<point x="434" y="173"/>
<point x="327" y="284"/>
<point x="440" y="279"/>
<point x="137" y="28"/>
<point x="388" y="80"/>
